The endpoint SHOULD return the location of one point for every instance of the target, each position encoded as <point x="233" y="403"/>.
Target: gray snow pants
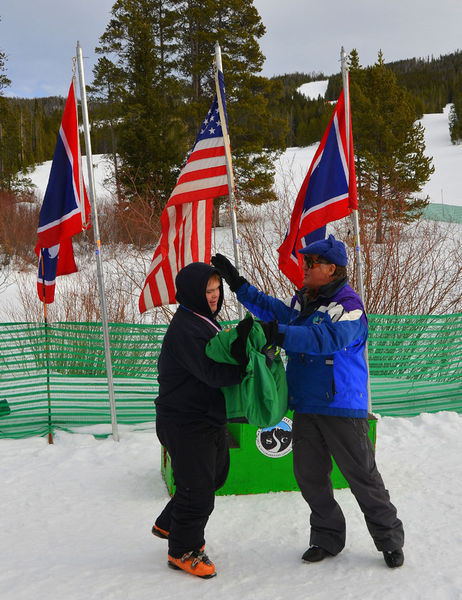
<point x="315" y="439"/>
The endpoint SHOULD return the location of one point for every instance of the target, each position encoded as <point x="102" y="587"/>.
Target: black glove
<point x="271" y="331"/>
<point x="273" y="339"/>
<point x="238" y="348"/>
<point x="228" y="271"/>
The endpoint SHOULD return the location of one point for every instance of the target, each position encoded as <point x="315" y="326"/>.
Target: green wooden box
<point x="261" y="460"/>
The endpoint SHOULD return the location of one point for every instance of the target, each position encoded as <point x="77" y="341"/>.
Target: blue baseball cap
<point x="330" y="249"/>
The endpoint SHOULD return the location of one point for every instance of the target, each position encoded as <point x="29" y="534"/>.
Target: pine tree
<point x="4" y="81"/>
<point x="389" y="147"/>
<point x="151" y="140"/>
<point x="10" y="147"/>
<point x="156" y="72"/>
<point x="256" y="128"/>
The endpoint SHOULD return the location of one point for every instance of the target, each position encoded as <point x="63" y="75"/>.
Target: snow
<point x="445" y="185"/>
<point x="102" y="171"/>
<point x="314" y="89"/>
<point x="76" y="519"/>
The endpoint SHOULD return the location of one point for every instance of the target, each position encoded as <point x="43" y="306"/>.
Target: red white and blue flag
<point x="186" y="220"/>
<point x="327" y="194"/>
<point x="65" y="209"/>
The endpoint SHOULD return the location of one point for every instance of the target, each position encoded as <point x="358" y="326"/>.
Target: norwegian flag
<point x="186" y="221"/>
<point x="327" y="194"/>
<point x="63" y="213"/>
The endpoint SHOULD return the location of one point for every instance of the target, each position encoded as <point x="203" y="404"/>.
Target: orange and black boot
<point x="195" y="562"/>
<point x="160" y="533"/>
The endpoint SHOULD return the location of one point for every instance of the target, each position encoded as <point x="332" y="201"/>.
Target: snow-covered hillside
<point x="445" y="185"/>
<point x="314" y="89"/>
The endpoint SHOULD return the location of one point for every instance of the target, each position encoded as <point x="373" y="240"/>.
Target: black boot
<point x="394" y="558"/>
<point x="315" y="554"/>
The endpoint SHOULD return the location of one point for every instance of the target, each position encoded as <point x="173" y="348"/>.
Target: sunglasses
<point x="312" y="264"/>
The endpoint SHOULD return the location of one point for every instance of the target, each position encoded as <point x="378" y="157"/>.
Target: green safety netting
<point x="54" y="377"/>
<point x="448" y="213"/>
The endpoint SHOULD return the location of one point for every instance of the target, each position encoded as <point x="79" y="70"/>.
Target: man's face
<point x="212" y="293"/>
<point x="316" y="272"/>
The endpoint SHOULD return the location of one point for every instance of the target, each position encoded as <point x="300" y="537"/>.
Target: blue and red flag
<point x="327" y="194"/>
<point x="65" y="210"/>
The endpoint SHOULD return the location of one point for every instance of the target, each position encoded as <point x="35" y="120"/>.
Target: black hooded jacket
<point x="189" y="381"/>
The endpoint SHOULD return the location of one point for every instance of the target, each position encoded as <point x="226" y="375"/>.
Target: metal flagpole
<point x="92" y="197"/>
<point x="357" y="242"/>
<point x="81" y="186"/>
<point x="47" y="347"/>
<point x="229" y="167"/>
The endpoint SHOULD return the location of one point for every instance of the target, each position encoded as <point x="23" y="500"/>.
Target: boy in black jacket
<point x="191" y="417"/>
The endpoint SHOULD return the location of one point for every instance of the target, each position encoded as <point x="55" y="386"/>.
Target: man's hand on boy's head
<point x="228" y="271"/>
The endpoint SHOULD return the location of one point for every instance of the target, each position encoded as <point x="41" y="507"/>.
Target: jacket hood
<point x="191" y="285"/>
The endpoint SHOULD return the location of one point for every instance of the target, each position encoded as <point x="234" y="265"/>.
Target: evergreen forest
<point x="153" y="83"/>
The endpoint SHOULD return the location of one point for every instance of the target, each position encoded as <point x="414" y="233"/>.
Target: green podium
<point x="261" y="460"/>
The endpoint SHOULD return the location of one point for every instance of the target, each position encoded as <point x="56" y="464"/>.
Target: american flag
<point x="186" y="221"/>
<point x="65" y="207"/>
<point x="327" y="194"/>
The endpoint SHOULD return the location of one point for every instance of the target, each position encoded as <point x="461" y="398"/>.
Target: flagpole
<point x="79" y="154"/>
<point x="229" y="167"/>
<point x="47" y="349"/>
<point x="92" y="197"/>
<point x="357" y="242"/>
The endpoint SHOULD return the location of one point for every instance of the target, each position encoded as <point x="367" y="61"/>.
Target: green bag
<point x="261" y="397"/>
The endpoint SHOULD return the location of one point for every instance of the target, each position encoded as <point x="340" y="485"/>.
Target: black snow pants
<point x="200" y="462"/>
<point x="315" y="439"/>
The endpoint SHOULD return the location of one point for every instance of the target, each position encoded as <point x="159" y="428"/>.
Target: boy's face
<point x="212" y="293"/>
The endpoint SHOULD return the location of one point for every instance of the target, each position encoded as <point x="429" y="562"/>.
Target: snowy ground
<point x="76" y="519"/>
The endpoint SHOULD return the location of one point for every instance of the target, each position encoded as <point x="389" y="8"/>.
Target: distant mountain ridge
<point x="433" y="82"/>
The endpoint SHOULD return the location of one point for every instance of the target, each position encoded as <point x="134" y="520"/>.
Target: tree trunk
<point x="379" y="219"/>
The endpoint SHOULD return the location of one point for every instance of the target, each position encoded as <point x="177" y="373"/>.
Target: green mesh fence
<point x="415" y="363"/>
<point x="54" y="377"/>
<point x="448" y="213"/>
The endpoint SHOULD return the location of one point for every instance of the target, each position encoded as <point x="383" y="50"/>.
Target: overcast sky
<point x="40" y="36"/>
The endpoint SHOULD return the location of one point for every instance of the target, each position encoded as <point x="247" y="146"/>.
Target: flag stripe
<point x="204" y="173"/>
<point x="207" y="152"/>
<point x="207" y="186"/>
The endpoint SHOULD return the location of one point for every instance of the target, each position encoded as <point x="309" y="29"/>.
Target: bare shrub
<point x="136" y="222"/>
<point x="417" y="270"/>
<point x="18" y="226"/>
<point x="77" y="296"/>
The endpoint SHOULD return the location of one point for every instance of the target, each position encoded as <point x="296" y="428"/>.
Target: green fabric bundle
<point x="261" y="397"/>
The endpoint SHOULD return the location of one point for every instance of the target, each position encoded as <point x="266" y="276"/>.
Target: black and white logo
<point x="275" y="441"/>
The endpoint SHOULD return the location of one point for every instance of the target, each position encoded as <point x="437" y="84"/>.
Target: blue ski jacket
<point x="324" y="341"/>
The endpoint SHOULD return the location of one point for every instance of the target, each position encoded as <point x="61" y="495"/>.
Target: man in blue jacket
<point x="323" y="332"/>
